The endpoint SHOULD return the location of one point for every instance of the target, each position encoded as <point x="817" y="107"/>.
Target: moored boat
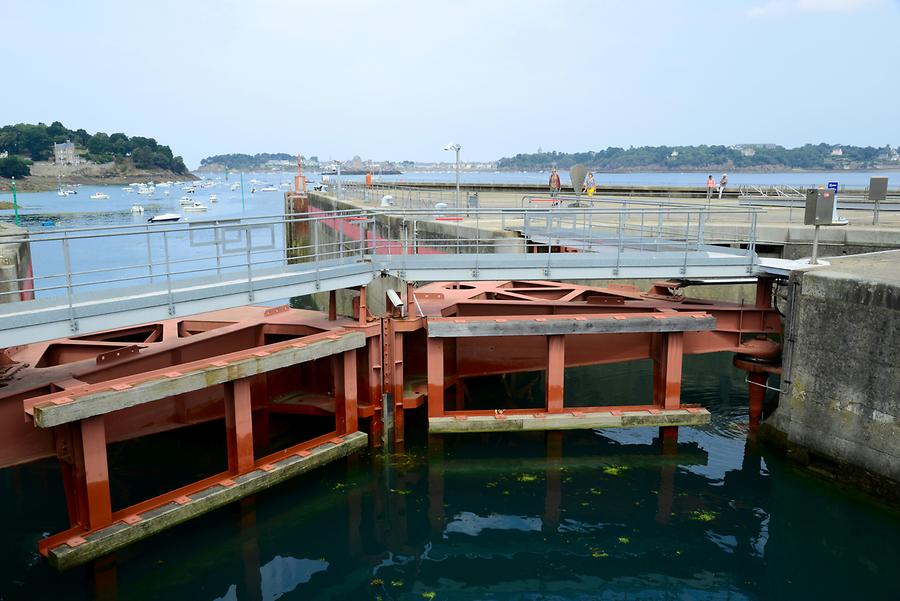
<point x="164" y="217"/>
<point x="195" y="207"/>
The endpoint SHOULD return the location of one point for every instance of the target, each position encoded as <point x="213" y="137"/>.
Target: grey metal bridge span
<point x="88" y="280"/>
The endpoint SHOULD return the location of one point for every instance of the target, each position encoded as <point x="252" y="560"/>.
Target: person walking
<point x="722" y="183"/>
<point x="710" y="186"/>
<point x="555" y="183"/>
<point x="589" y="186"/>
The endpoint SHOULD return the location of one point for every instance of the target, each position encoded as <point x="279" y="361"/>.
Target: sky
<point x="399" y="80"/>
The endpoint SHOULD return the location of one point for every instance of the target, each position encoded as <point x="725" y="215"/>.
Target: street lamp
<point x="456" y="147"/>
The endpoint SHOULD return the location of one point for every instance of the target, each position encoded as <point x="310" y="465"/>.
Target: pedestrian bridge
<point x="91" y="279"/>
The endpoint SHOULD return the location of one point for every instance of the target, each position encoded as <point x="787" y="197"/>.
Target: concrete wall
<point x="841" y="406"/>
<point x="15" y="264"/>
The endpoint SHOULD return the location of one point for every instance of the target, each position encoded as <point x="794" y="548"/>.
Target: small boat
<point x="269" y="188"/>
<point x="137" y="209"/>
<point x="213" y="198"/>
<point x="189" y="189"/>
<point x="195" y="207"/>
<point x="127" y="189"/>
<point x="252" y="190"/>
<point x="185" y="200"/>
<point x="164" y="217"/>
<point x="60" y="192"/>
<point x="99" y="196"/>
<point x="146" y="190"/>
<point x="235" y="187"/>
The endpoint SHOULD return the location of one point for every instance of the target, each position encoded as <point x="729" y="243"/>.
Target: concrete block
<point x="573" y="420"/>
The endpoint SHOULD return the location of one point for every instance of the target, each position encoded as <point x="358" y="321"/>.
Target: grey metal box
<point x="819" y="207"/>
<point x="878" y="188"/>
<point x="473" y="200"/>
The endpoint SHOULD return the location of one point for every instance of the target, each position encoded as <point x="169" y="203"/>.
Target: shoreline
<point x="43" y="183"/>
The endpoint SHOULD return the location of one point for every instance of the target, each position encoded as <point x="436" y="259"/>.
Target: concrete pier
<point x="16" y="276"/>
<point x="840" y="403"/>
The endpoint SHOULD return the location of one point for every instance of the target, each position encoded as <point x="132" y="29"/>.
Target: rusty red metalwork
<point x="397" y="357"/>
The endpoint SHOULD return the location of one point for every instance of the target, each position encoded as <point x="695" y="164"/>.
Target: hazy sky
<point x="398" y="80"/>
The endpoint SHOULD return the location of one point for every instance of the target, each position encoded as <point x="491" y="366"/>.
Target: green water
<point x="491" y="517"/>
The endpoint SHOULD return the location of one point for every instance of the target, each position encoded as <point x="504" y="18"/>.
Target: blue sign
<point x="833" y="186"/>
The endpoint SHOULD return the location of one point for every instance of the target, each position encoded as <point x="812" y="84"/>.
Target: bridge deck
<point x="236" y="263"/>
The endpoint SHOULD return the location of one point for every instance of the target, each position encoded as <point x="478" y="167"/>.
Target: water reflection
<point x="472" y="524"/>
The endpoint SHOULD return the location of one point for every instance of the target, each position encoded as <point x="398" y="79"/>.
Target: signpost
<point x="821" y="209"/>
<point x="877" y="194"/>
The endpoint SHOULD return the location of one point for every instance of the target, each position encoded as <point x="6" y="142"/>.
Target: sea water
<point x="597" y="514"/>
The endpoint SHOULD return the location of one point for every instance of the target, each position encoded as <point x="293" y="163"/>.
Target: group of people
<point x="711" y="186"/>
<point x="588" y="188"/>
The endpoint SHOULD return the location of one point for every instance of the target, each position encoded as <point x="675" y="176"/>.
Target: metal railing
<point x="100" y="260"/>
<point x="401" y="196"/>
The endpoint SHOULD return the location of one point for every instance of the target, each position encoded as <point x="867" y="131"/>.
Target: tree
<point x="13" y="166"/>
<point x="81" y="137"/>
<point x="99" y="144"/>
<point x="142" y="157"/>
<point x="58" y="132"/>
<point x="178" y="165"/>
<point x="34" y="140"/>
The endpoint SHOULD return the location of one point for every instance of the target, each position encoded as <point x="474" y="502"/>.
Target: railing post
<point x="477" y="241"/>
<point x="659" y="222"/>
<point x="751" y="245"/>
<point x="701" y="220"/>
<point x="168" y="272"/>
<point x="149" y="253"/>
<point x="249" y="263"/>
<point x="219" y="243"/>
<point x="619" y="244"/>
<point x="67" y="260"/>
<point x="315" y="233"/>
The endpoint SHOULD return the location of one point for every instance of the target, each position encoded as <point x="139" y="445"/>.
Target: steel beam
<point x="556" y="364"/>
<point x="613" y="323"/>
<point x="69" y="550"/>
<point x="436" y="385"/>
<point x="101" y="399"/>
<point x="239" y="426"/>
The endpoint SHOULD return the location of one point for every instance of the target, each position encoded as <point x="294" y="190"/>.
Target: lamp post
<point x="456" y="147"/>
<point x="338" y="192"/>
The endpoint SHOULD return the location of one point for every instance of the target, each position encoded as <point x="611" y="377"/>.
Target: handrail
<point x="120" y="255"/>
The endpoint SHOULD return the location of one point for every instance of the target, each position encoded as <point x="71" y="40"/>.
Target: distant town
<point x="738" y="157"/>
<point x="287" y="162"/>
<point x="43" y="157"/>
